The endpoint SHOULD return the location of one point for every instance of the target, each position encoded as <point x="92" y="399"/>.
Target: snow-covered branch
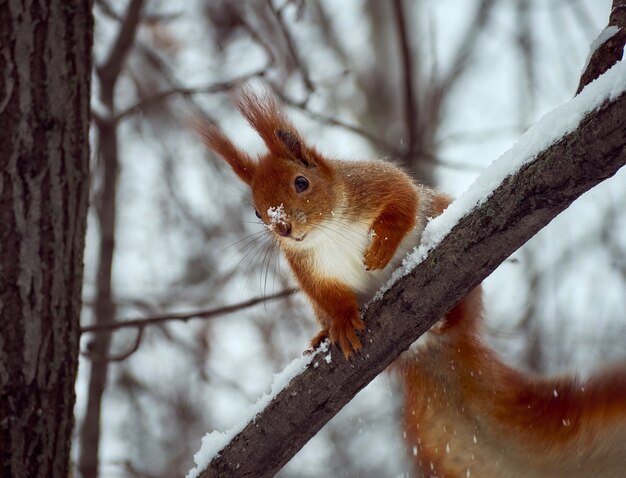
<point x="565" y="154"/>
<point x="607" y="48"/>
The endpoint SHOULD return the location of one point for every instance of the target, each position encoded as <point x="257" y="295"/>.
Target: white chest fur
<point x="337" y="250"/>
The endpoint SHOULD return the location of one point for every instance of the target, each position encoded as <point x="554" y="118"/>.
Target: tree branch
<point x="467" y="45"/>
<point x="409" y="103"/>
<point x="198" y="314"/>
<point x="183" y="91"/>
<point x="105" y="207"/>
<point x="110" y="70"/>
<point x="608" y="52"/>
<point x="522" y="204"/>
<point x="120" y="357"/>
<point x="291" y="48"/>
<point x="330" y="121"/>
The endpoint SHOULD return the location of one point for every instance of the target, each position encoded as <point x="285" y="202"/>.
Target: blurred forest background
<point x="440" y="87"/>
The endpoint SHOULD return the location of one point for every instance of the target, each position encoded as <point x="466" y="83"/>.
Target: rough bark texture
<point x="610" y="51"/>
<point x="520" y="207"/>
<point x="45" y="65"/>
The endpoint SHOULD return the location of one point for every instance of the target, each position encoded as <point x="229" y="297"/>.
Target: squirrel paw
<point x="317" y="341"/>
<point x="343" y="334"/>
<point x="378" y="254"/>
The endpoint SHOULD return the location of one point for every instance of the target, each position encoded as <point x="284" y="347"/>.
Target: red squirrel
<point x="344" y="226"/>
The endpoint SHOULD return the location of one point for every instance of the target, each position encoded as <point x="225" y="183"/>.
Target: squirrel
<point x="343" y="227"/>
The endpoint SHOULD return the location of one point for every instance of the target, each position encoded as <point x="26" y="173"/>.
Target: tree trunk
<point x="45" y="60"/>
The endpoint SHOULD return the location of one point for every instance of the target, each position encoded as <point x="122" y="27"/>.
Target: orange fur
<point x="469" y="414"/>
<point x="335" y="305"/>
<point x="440" y="203"/>
<point x="466" y="412"/>
<point x="239" y="161"/>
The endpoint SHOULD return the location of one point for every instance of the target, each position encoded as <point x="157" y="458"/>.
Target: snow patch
<point x="277" y="215"/>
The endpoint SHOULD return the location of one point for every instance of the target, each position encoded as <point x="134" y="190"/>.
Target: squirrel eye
<point x="258" y="214"/>
<point x="301" y="184"/>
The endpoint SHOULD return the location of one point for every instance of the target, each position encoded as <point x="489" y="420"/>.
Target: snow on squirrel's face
<point x="291" y="199"/>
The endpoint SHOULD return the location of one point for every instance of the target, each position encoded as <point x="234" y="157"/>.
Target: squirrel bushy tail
<point x="466" y="413"/>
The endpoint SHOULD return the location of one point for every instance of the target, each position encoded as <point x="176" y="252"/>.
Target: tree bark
<point x="610" y="51"/>
<point x="45" y="65"/>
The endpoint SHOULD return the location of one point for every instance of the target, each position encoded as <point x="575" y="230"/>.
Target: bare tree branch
<point x="411" y="110"/>
<point x="120" y="357"/>
<point x="381" y="144"/>
<point x="184" y="317"/>
<point x="105" y="206"/>
<point x="526" y="46"/>
<point x="375" y="140"/>
<point x="182" y="91"/>
<point x="468" y="44"/>
<point x="291" y="48"/>
<point x="110" y="70"/>
<point x="522" y="204"/>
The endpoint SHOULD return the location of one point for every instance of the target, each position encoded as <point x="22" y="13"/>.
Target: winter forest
<point x="188" y="309"/>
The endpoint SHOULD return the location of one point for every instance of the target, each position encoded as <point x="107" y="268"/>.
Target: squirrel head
<point x="291" y="184"/>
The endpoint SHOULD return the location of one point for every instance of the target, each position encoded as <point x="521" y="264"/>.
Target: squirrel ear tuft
<point x="294" y="146"/>
<point x="240" y="162"/>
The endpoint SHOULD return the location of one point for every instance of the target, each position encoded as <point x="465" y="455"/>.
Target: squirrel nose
<point x="283" y="228"/>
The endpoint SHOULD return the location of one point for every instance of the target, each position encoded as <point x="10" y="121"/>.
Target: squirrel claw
<point x="317" y="341"/>
<point x="343" y="334"/>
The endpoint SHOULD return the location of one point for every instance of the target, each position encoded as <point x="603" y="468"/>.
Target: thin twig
<point x="378" y="142"/>
<point x="410" y="106"/>
<point x="183" y="91"/>
<point x="526" y="47"/>
<point x="197" y="314"/>
<point x="387" y="148"/>
<point x="118" y="357"/>
<point x="109" y="71"/>
<point x="468" y="44"/>
<point x="293" y="52"/>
